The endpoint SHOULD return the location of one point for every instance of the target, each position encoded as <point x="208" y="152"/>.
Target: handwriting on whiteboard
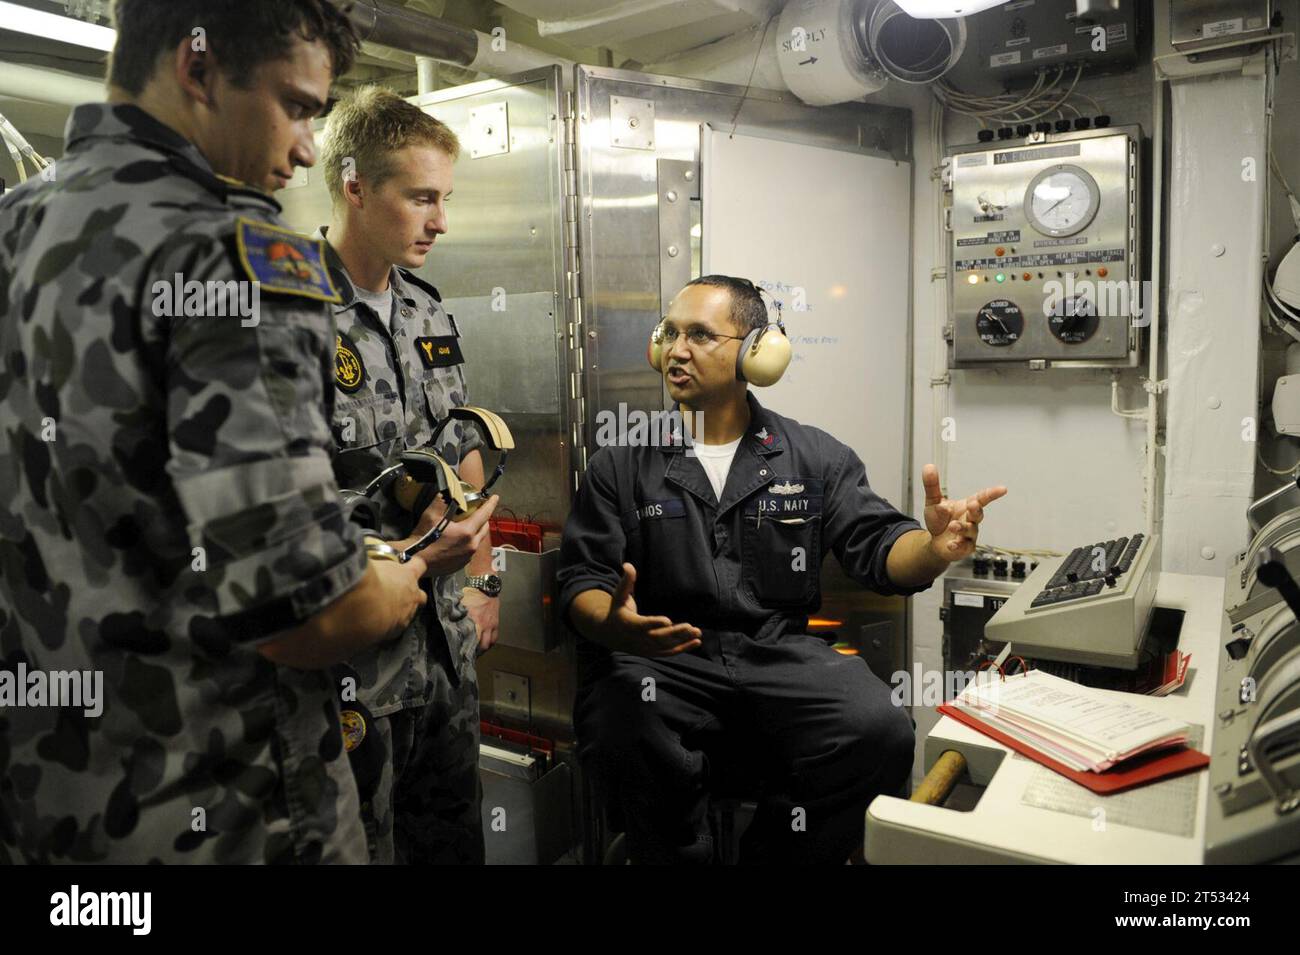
<point x="790" y="297"/>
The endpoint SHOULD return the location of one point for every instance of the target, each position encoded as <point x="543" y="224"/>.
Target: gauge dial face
<point x="1073" y="320"/>
<point x="1000" y="323"/>
<point x="1061" y="200"/>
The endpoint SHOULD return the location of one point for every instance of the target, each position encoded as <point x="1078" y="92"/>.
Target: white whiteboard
<point x="836" y="225"/>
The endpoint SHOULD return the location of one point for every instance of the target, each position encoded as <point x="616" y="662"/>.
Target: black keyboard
<point x="1085" y="573"/>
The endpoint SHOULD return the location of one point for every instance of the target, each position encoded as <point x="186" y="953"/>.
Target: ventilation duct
<point x="908" y="49"/>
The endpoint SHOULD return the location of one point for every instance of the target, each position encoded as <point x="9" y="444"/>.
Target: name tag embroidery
<point x="654" y="510"/>
<point x="793" y="497"/>
<point x="439" y="351"/>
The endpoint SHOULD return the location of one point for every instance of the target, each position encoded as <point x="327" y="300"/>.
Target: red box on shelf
<point x="521" y="535"/>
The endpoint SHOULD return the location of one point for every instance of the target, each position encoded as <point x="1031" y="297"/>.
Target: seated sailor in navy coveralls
<point x="691" y="577"/>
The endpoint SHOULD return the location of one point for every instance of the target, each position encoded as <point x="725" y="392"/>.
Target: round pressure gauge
<point x="1061" y="200"/>
<point x="1000" y="323"/>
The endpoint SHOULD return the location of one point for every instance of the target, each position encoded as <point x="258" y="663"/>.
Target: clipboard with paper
<point x="1097" y="739"/>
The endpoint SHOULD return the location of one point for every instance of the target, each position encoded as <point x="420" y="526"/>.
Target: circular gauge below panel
<point x="1000" y="323"/>
<point x="1074" y="320"/>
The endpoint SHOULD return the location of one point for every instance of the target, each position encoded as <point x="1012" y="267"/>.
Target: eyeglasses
<point x="696" y="336"/>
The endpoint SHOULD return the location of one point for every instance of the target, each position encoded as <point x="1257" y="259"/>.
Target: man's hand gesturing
<point x="626" y="630"/>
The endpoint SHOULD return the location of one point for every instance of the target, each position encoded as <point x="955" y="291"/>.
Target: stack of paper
<point x="1083" y="728"/>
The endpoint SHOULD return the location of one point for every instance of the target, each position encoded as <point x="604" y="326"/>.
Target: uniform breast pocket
<point x="442" y="392"/>
<point x="362" y="434"/>
<point x="669" y="546"/>
<point x="663" y="528"/>
<point x="782" y="559"/>
<point x="437" y="396"/>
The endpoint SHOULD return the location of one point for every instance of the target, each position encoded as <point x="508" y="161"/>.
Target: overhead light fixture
<point x="1088" y="8"/>
<point x="51" y="26"/>
<point x="944" y="9"/>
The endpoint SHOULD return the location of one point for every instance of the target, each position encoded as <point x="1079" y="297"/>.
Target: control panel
<point x="1017" y="39"/>
<point x="1090" y="607"/>
<point x="1044" y="263"/>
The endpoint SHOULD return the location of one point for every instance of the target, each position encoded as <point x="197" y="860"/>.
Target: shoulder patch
<point x="284" y="261"/>
<point x="414" y="279"/>
<point x="349" y="372"/>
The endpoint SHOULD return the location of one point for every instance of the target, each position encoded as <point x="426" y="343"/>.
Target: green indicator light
<point x="999" y="277"/>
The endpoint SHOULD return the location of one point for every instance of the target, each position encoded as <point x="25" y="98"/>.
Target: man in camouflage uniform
<point x="168" y="517"/>
<point x="398" y="373"/>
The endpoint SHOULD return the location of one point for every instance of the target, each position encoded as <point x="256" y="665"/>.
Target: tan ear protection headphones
<point x="763" y="357"/>
<point x="422" y="475"/>
<point x="498" y="437"/>
<point x="429" y="471"/>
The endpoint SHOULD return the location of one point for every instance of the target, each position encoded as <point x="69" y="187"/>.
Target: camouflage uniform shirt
<point x="394" y="384"/>
<point x="181" y="509"/>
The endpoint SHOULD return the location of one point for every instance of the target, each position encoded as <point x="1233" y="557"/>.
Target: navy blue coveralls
<point x="816" y="727"/>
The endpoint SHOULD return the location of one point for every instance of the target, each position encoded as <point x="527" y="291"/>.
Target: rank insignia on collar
<point x="284" y="262"/>
<point x="767" y="439"/>
<point x="349" y="372"/>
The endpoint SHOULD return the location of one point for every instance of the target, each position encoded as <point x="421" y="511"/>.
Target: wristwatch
<point x="488" y="584"/>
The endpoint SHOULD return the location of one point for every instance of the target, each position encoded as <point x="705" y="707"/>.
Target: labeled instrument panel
<point x="1044" y="254"/>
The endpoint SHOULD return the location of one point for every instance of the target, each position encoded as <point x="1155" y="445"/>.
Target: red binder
<point x="1138" y="771"/>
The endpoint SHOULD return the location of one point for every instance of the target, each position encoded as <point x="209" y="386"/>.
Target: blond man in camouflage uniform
<point x="399" y="373"/>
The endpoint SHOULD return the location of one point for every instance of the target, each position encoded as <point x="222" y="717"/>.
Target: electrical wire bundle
<point x="20" y="149"/>
<point x="1041" y="99"/>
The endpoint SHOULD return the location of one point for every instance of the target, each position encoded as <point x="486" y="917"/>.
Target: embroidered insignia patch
<point x="354" y="729"/>
<point x="786" y="488"/>
<point x="284" y="261"/>
<point x="349" y="372"/>
<point x="439" y="351"/>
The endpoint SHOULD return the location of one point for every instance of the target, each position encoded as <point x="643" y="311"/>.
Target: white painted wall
<point x="1215" y="247"/>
